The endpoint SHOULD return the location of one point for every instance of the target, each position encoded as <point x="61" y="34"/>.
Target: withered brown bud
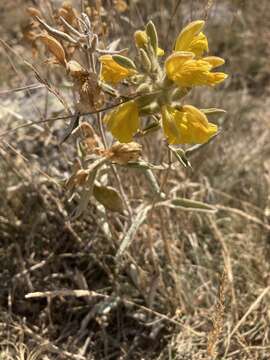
<point x="124" y="153"/>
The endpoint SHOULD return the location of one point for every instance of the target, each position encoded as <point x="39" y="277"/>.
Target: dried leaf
<point x="90" y="146"/>
<point x="90" y="140"/>
<point x="75" y="69"/>
<point x="87" y="130"/>
<point x="88" y="188"/>
<point x="91" y="97"/>
<point x="120" y="5"/>
<point x="108" y="197"/>
<point x="54" y="47"/>
<point x="33" y="12"/>
<point x="77" y="179"/>
<point x="87" y="85"/>
<point x="68" y="13"/>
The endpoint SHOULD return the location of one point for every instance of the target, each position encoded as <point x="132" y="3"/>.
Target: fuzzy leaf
<point x="136" y="223"/>
<point x="108" y="197"/>
<point x="152" y="34"/>
<point x="124" y="61"/>
<point x="192" y="205"/>
<point x="213" y="111"/>
<point x="181" y="156"/>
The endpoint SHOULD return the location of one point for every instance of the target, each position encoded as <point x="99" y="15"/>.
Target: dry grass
<point x="191" y="285"/>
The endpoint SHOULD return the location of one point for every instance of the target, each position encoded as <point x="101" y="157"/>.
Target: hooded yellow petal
<point x="123" y="122"/>
<point x="192" y="39"/>
<point x="111" y="72"/>
<point x="187" y="34"/>
<point x="175" y="62"/>
<point x="186" y="126"/>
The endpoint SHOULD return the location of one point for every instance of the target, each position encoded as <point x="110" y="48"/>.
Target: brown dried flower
<point x="123" y="153"/>
<point x="86" y="84"/>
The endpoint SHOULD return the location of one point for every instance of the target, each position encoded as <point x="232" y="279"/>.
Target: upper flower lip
<point x="192" y="39"/>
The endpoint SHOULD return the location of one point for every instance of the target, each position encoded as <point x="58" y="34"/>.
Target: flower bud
<point x="140" y="38"/>
<point x="146" y="63"/>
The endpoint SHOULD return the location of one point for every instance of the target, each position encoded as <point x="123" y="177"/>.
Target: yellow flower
<point x="185" y="71"/>
<point x="192" y="39"/>
<point x="141" y="41"/>
<point x="186" y="126"/>
<point x="112" y="72"/>
<point x="123" y="121"/>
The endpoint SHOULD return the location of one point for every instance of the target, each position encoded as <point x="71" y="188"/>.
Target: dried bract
<point x="124" y="153"/>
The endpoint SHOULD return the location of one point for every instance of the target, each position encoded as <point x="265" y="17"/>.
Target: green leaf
<point x="152" y="34"/>
<point x="136" y="223"/>
<point x="124" y="61"/>
<point x="213" y="111"/>
<point x="187" y="204"/>
<point x="145" y="165"/>
<point x="108" y="197"/>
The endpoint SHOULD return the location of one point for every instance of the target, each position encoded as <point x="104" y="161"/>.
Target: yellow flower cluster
<point x="183" y="69"/>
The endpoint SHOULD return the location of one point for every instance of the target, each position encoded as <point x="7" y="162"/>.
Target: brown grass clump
<point x="67" y="291"/>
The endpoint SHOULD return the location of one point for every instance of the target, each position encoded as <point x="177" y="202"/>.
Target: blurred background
<point x="191" y="285"/>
